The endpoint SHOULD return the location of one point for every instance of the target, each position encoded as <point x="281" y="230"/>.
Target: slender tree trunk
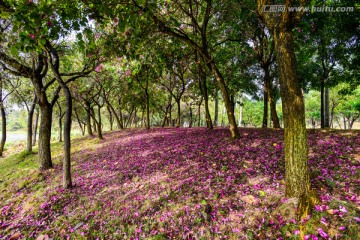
<point x="199" y="112"/>
<point x="170" y="111"/>
<point x="229" y="107"/>
<point x="191" y="116"/>
<point x="203" y="88"/>
<point x="327" y="108"/>
<point x="35" y="128"/>
<point x="147" y="110"/>
<point x="94" y="119"/>
<point x="265" y="113"/>
<point x="79" y="122"/>
<point x="178" y="121"/>
<point x="60" y="127"/>
<point x="99" y="131"/>
<point x="110" y="117"/>
<point x="67" y="183"/>
<point x="30" y="126"/>
<point x="45" y="135"/>
<point x="216" y="114"/>
<point x="3" y="120"/>
<point x="117" y="118"/>
<point x="88" y="118"/>
<point x="297" y="175"/>
<point x="272" y="103"/>
<point x="322" y="103"/>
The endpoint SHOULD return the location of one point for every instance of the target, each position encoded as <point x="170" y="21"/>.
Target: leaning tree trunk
<point x="111" y="119"/>
<point x="29" y="141"/>
<point x="228" y="105"/>
<point x="45" y="135"/>
<point x="297" y="176"/>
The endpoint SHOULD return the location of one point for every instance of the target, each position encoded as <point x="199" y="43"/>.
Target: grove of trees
<point x="174" y="63"/>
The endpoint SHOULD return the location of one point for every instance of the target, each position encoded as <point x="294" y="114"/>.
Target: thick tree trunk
<point x="30" y="126"/>
<point x="45" y="136"/>
<point x="229" y="106"/>
<point x="216" y="112"/>
<point x="297" y="176"/>
<point x="88" y="118"/>
<point x="60" y="127"/>
<point x="35" y="128"/>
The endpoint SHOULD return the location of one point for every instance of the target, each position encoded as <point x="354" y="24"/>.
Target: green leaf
<point x="14" y="51"/>
<point x="261" y="193"/>
<point x="203" y="202"/>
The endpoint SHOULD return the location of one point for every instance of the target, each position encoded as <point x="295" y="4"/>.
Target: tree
<point x="297" y="175"/>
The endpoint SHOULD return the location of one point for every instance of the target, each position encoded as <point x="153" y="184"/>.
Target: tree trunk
<point x="147" y="111"/>
<point x="199" y="113"/>
<point x="322" y="103"/>
<point x="30" y="126"/>
<point x="88" y="118"/>
<point x="327" y="108"/>
<point x="35" y="128"/>
<point x="94" y="119"/>
<point x="229" y="106"/>
<point x="265" y="112"/>
<point x="117" y="119"/>
<point x="204" y="91"/>
<point x="273" y="113"/>
<point x="99" y="131"/>
<point x="297" y="175"/>
<point x="45" y="136"/>
<point x="191" y="116"/>
<point x="60" y="127"/>
<point x="178" y="120"/>
<point x="3" y="120"/>
<point x="110" y="117"/>
<point x="216" y="114"/>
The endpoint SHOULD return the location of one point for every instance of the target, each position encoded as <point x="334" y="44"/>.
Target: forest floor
<point x="178" y="183"/>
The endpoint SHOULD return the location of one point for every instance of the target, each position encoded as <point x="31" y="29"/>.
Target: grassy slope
<point x="180" y="183"/>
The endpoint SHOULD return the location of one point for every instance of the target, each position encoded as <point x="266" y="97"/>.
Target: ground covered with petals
<point x="177" y="183"/>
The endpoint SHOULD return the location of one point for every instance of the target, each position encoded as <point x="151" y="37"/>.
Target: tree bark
<point x="273" y="113"/>
<point x="297" y="176"/>
<point x="322" y="103"/>
<point x="35" y="128"/>
<point x="30" y="126"/>
<point x="228" y="105"/>
<point x="327" y="108"/>
<point x="88" y="118"/>
<point x="99" y="131"/>
<point x="3" y="120"/>
<point x="265" y="110"/>
<point x="110" y="117"/>
<point x="216" y="113"/>
<point x="191" y="116"/>
<point x="45" y="135"/>
<point x="147" y="109"/>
